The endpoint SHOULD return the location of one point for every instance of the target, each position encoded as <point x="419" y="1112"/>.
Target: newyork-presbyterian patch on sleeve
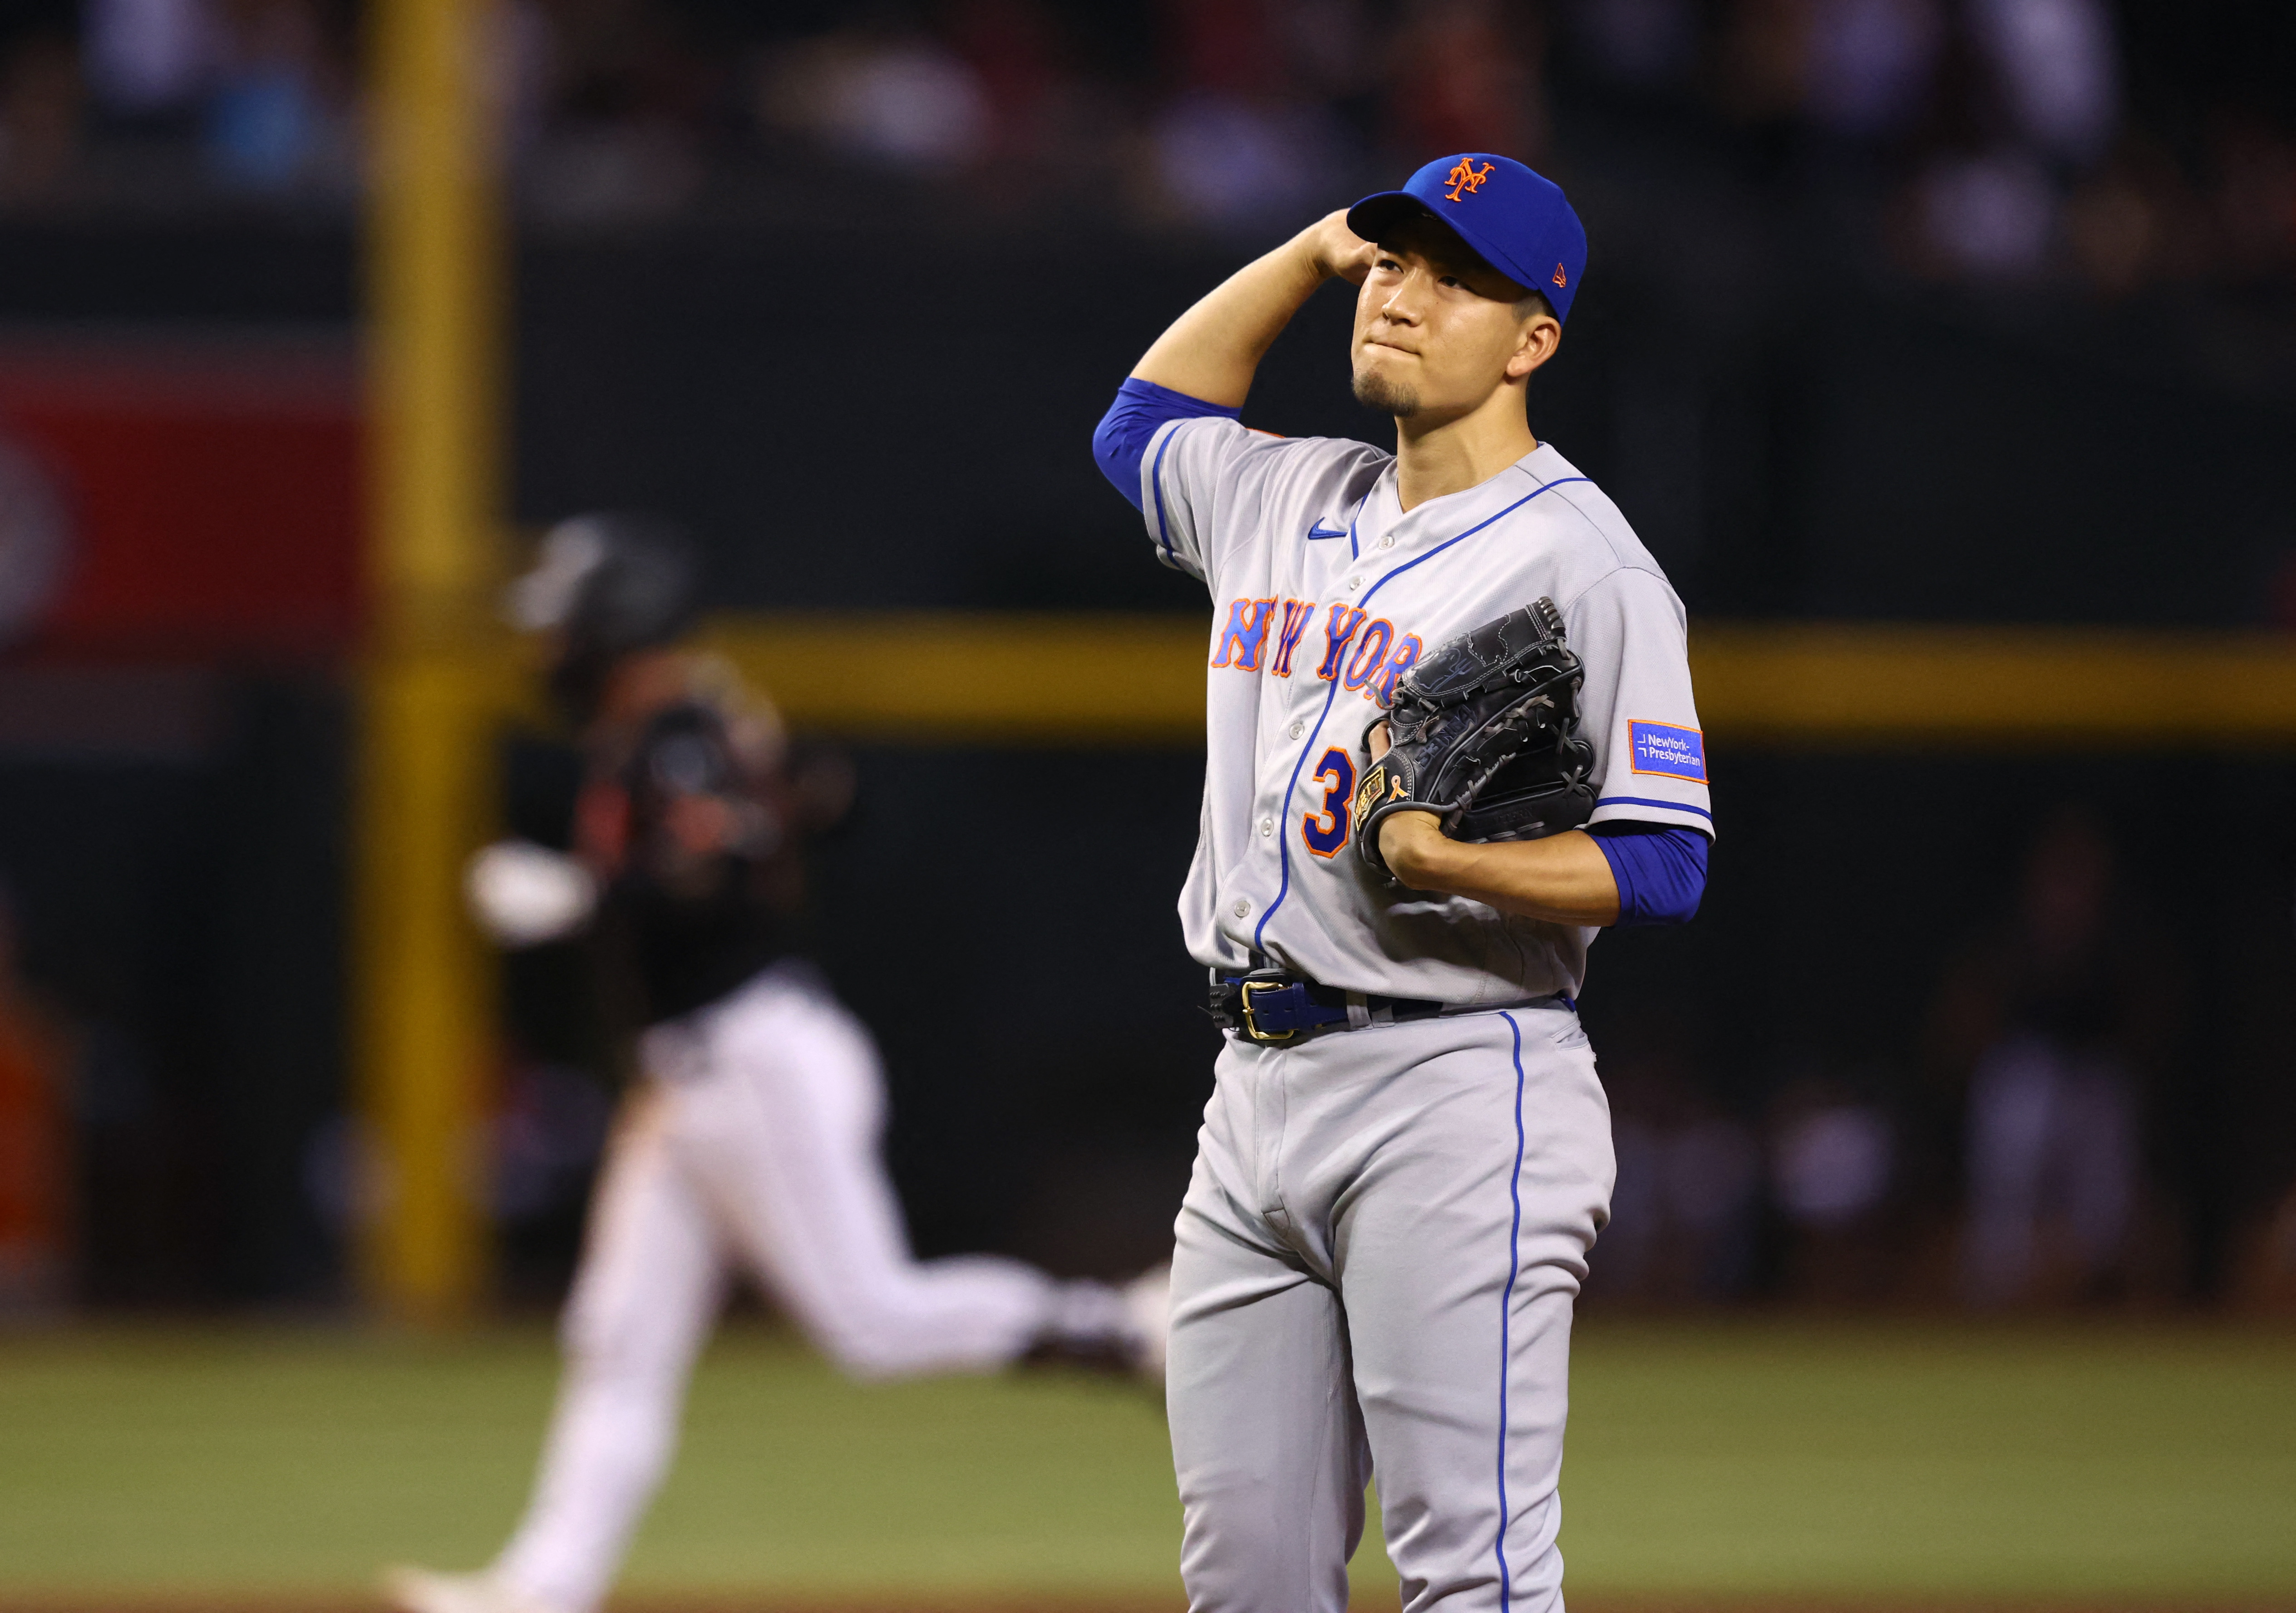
<point x="1669" y="751"/>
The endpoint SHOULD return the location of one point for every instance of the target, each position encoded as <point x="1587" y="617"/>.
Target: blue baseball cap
<point x="1515" y="220"/>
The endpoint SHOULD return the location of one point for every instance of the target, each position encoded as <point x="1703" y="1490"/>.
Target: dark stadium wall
<point x="1824" y="450"/>
<point x="177" y="889"/>
<point x="174" y="735"/>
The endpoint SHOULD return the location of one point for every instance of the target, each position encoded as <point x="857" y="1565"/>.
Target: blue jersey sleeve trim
<point x="1163" y="522"/>
<point x="1643" y="800"/>
<point x="1122" y="440"/>
<point x="1660" y="870"/>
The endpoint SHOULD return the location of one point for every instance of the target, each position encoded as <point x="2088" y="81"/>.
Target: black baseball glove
<point x="1483" y="733"/>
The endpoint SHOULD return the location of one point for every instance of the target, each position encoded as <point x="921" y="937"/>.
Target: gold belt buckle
<point x="1251" y="1020"/>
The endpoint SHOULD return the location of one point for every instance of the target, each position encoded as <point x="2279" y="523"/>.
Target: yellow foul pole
<point x="434" y="284"/>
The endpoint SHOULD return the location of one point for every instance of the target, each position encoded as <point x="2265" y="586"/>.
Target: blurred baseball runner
<point x="1406" y="1155"/>
<point x="749" y="1143"/>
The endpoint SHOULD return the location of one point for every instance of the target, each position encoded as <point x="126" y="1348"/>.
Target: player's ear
<point x="1537" y="338"/>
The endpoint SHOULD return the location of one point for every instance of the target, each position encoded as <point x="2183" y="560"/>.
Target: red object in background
<point x="210" y="487"/>
<point x="35" y="1167"/>
<point x="35" y="1145"/>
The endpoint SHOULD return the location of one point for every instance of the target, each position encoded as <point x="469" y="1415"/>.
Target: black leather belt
<point x="1275" y="1005"/>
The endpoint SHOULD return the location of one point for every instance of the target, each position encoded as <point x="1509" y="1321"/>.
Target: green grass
<point x="1729" y="1459"/>
<point x="2109" y="1462"/>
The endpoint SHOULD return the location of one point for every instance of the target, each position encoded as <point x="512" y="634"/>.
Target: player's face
<point x="1438" y="330"/>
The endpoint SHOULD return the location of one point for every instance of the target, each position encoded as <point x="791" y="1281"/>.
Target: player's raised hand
<point x="1211" y="351"/>
<point x="1338" y="251"/>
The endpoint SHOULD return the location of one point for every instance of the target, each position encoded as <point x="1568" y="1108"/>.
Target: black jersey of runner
<point x="705" y="892"/>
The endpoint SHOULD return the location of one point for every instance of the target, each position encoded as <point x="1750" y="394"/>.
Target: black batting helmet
<point x="607" y="585"/>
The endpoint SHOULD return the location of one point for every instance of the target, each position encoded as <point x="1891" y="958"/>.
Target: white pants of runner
<point x="751" y="1146"/>
<point x="1377" y="1259"/>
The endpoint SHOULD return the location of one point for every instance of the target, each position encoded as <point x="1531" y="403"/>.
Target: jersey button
<point x="1267" y="826"/>
<point x="1354" y="583"/>
<point x="1243" y="910"/>
<point x="1298" y="729"/>
<point x="1388" y="541"/>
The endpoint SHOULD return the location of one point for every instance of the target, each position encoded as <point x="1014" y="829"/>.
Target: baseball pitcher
<point x="1450" y="738"/>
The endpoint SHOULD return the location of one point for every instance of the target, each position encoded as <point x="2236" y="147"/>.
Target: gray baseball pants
<point x="1376" y="1262"/>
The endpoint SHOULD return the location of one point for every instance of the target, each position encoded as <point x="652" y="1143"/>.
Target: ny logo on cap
<point x="1561" y="279"/>
<point x="1464" y="176"/>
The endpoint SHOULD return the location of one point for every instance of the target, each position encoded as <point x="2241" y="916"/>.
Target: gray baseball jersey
<point x="1325" y="592"/>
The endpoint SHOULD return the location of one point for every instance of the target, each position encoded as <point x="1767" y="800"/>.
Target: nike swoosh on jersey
<point x="1318" y="529"/>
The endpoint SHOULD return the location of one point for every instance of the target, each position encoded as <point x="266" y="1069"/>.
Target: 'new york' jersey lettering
<point x="1373" y="659"/>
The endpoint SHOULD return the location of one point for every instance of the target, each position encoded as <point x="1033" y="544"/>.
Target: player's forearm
<point x="1213" y="350"/>
<point x="1563" y="878"/>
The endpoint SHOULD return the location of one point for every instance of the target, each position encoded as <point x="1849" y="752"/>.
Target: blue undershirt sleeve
<point x="1661" y="870"/>
<point x="1141" y="407"/>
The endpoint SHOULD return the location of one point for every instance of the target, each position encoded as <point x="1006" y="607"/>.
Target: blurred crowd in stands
<point x="2002" y="141"/>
